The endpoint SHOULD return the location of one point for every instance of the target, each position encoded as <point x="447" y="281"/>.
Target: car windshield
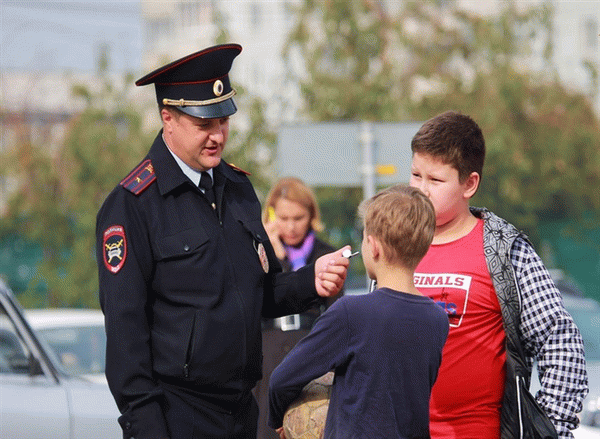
<point x="14" y="355"/>
<point x="81" y="350"/>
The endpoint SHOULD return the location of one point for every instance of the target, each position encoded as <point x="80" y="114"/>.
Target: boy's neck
<point x="458" y="227"/>
<point x="396" y="278"/>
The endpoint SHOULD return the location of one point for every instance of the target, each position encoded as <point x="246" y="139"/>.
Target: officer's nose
<point x="217" y="134"/>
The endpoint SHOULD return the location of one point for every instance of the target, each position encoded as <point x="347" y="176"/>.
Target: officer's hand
<point x="280" y="432"/>
<point x="330" y="272"/>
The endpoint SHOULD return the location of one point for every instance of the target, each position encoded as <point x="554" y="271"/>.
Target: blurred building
<point x="174" y="28"/>
<point x="575" y="37"/>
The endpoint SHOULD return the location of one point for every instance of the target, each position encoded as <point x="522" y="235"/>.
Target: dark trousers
<point x="276" y="344"/>
<point x="189" y="417"/>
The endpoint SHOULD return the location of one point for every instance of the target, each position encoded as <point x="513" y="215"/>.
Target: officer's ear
<point x="169" y="117"/>
<point x="166" y="115"/>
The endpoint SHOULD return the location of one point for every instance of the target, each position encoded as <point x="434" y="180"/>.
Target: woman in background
<point x="292" y="219"/>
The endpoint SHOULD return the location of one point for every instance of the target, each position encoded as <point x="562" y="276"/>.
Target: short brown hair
<point x="294" y="189"/>
<point x="403" y="220"/>
<point x="455" y="139"/>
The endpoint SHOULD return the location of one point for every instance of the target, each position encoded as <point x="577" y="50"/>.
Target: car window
<point x="13" y="353"/>
<point x="81" y="350"/>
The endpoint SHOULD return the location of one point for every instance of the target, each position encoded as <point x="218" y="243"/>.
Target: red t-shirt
<point x="467" y="396"/>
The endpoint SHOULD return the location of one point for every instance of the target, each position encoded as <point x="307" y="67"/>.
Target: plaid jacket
<point x="533" y="312"/>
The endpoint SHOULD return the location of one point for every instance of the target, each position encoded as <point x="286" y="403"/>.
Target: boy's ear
<point x="472" y="184"/>
<point x="373" y="247"/>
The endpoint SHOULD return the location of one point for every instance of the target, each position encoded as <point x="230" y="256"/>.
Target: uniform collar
<point x="191" y="173"/>
<point x="169" y="175"/>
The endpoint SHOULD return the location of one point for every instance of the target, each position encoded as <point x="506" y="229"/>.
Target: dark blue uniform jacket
<point x="183" y="303"/>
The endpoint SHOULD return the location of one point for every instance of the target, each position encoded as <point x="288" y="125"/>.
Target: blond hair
<point x="403" y="220"/>
<point x="294" y="189"/>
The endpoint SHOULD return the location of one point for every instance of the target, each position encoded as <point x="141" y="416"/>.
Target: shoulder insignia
<point x="235" y="168"/>
<point x="140" y="178"/>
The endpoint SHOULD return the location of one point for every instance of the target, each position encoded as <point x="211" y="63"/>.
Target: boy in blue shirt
<point x="385" y="347"/>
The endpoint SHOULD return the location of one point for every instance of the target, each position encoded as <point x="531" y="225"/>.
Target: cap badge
<point x="218" y="87"/>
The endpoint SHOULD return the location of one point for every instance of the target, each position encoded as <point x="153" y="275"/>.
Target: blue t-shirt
<point x="385" y="348"/>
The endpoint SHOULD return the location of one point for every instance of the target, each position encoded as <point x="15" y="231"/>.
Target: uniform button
<point x="127" y="425"/>
<point x="186" y="248"/>
<point x="258" y="236"/>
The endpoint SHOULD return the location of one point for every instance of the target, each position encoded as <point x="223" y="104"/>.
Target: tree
<point x="542" y="160"/>
<point x="364" y="61"/>
<point x="58" y="193"/>
<point x="408" y="61"/>
<point x="349" y="72"/>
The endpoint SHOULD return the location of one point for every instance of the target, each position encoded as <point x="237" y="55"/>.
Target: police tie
<point x="206" y="184"/>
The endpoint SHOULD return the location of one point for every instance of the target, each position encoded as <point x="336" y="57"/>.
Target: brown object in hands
<point x="305" y="418"/>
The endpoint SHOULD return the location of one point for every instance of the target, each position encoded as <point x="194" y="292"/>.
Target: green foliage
<point x="363" y="62"/>
<point x="59" y="192"/>
<point x="542" y="162"/>
<point x="394" y="62"/>
<point x="350" y="70"/>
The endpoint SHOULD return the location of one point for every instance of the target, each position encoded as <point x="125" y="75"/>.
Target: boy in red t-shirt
<point x="465" y="271"/>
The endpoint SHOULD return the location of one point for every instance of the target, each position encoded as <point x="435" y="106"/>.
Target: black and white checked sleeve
<point x="550" y="337"/>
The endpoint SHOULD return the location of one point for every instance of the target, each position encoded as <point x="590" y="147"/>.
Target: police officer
<point x="187" y="271"/>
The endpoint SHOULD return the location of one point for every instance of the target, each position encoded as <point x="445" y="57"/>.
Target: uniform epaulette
<point x="235" y="168"/>
<point x="140" y="178"/>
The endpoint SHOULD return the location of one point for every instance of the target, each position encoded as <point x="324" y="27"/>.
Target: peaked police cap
<point x="197" y="84"/>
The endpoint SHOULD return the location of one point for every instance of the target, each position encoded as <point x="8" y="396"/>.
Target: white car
<point x="76" y="336"/>
<point x="38" y="398"/>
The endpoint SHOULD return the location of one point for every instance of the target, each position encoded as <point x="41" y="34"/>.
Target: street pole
<point x="368" y="165"/>
<point x="368" y="171"/>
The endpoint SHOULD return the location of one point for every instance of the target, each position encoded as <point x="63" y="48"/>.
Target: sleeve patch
<point x="114" y="248"/>
<point x="140" y="178"/>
